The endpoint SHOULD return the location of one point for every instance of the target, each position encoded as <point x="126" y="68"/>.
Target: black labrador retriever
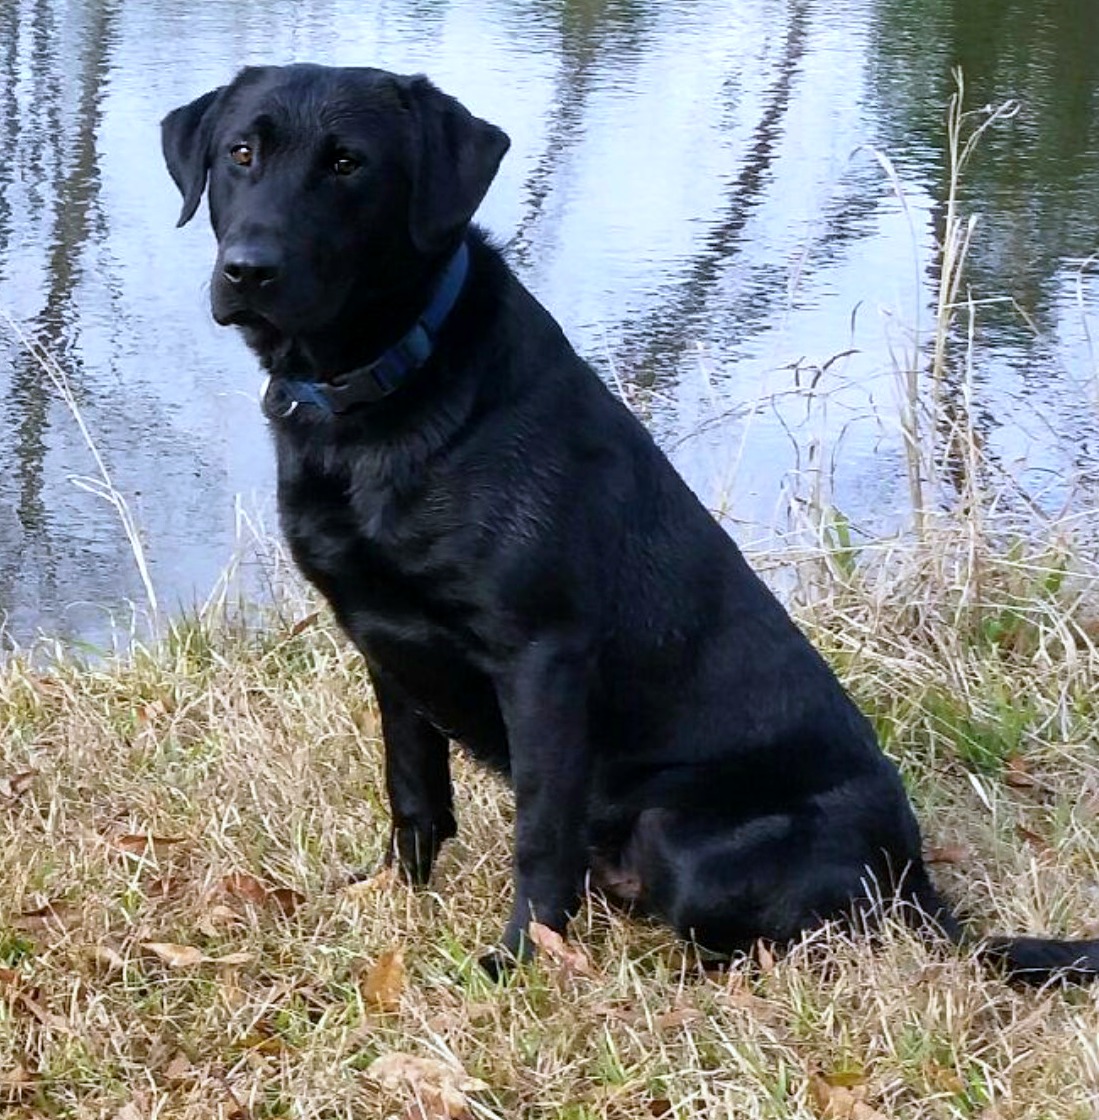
<point x="521" y="567"/>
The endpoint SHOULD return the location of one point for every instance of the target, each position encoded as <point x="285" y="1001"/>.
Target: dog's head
<point x="328" y="187"/>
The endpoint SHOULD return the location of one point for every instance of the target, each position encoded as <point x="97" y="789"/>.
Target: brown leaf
<point x="571" y="959"/>
<point x="165" y="887"/>
<point x="29" y="1002"/>
<point x="837" y="1102"/>
<point x="14" y="787"/>
<point x="107" y="958"/>
<point x="241" y="885"/>
<point x="384" y="982"/>
<point x="145" y="844"/>
<point x="1034" y="839"/>
<point x="179" y="1068"/>
<point x="17" y="1082"/>
<point x="678" y="1017"/>
<point x="738" y="994"/>
<point x="765" y="957"/>
<point x="660" y="1106"/>
<point x="242" y="956"/>
<point x="176" y="956"/>
<point x="948" y="853"/>
<point x="217" y="918"/>
<point x="945" y="1079"/>
<point x="438" y="1088"/>
<point x="55" y="915"/>
<point x="303" y="624"/>
<point x="364" y="890"/>
<point x="286" y="899"/>
<point x="1017" y="773"/>
<point x="9" y="977"/>
<point x="248" y="888"/>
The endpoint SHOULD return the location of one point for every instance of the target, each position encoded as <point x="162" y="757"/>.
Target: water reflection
<point x="593" y="40"/>
<point x="677" y="318"/>
<point x="1035" y="182"/>
<point x="686" y="174"/>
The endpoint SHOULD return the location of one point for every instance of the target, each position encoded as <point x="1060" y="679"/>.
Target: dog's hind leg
<point x="726" y="883"/>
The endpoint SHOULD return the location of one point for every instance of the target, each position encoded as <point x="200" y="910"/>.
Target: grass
<point x="178" y="826"/>
<point x="210" y="795"/>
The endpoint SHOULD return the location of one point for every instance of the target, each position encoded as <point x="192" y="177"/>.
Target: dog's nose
<point x="250" y="268"/>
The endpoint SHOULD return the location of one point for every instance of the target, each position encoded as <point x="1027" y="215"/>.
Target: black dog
<point x="521" y="567"/>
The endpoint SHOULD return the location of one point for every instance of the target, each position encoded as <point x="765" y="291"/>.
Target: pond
<point x="694" y="189"/>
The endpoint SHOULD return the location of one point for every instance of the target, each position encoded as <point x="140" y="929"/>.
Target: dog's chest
<point x="390" y="558"/>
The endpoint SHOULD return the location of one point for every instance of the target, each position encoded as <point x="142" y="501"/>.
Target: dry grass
<point x="250" y="759"/>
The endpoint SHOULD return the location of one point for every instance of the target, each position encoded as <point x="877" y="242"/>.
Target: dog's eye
<point x="241" y="155"/>
<point x="345" y="165"/>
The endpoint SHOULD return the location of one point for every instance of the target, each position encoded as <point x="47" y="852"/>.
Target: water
<point x="691" y="189"/>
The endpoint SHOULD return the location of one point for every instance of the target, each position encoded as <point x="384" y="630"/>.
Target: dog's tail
<point x="1029" y="960"/>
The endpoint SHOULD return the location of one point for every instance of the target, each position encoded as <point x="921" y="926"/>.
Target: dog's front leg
<point x="417" y="778"/>
<point x="544" y="703"/>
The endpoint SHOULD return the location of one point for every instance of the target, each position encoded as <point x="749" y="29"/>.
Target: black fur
<point x="521" y="567"/>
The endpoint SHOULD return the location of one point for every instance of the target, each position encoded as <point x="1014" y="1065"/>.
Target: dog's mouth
<point x="242" y="317"/>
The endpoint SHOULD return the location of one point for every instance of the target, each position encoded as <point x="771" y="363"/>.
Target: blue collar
<point x="371" y="383"/>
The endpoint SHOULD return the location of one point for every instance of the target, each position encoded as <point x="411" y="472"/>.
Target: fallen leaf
<point x="571" y="959"/>
<point x="438" y="1088"/>
<point x="144" y="844"/>
<point x="947" y="853"/>
<point x="363" y="890"/>
<point x="240" y="884"/>
<point x="17" y="1081"/>
<point x="384" y="982"/>
<point x="11" y="789"/>
<point x="1034" y="839"/>
<point x="242" y="956"/>
<point x="738" y="994"/>
<point x="165" y="887"/>
<point x="678" y="1017"/>
<point x="837" y="1102"/>
<point x="660" y="1106"/>
<point x="1017" y="773"/>
<point x="149" y="714"/>
<point x="286" y="899"/>
<point x="176" y="956"/>
<point x="303" y="624"/>
<point x="9" y="977"/>
<point x="179" y="1068"/>
<point x="254" y="891"/>
<point x="53" y="914"/>
<point x="944" y="1078"/>
<point x="217" y="918"/>
<point x="765" y="957"/>
<point x="107" y="958"/>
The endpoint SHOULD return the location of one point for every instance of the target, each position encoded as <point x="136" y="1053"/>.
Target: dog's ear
<point x="454" y="160"/>
<point x="185" y="135"/>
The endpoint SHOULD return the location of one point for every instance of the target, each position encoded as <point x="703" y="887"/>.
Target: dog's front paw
<point x="497" y="963"/>
<point x="413" y="850"/>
